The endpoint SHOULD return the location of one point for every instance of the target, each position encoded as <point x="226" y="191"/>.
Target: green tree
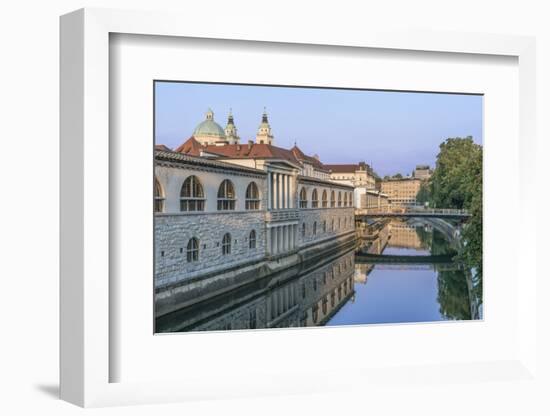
<point x="398" y="176"/>
<point x="423" y="194"/>
<point x="457" y="182"/>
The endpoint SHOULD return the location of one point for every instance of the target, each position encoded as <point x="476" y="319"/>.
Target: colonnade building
<point x="227" y="212"/>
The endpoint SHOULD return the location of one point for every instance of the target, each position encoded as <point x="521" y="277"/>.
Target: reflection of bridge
<point x="368" y="258"/>
<point x="446" y="213"/>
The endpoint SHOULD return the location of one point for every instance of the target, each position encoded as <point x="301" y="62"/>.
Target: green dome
<point x="209" y="127"/>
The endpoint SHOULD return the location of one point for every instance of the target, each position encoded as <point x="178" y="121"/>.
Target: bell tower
<point x="231" y="130"/>
<point x="264" y="134"/>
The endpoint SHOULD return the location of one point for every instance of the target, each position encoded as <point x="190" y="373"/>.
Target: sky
<point x="392" y="131"/>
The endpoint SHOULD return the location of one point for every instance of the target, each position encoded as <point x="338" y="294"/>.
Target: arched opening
<point x="252" y="197"/>
<point x="226" y="196"/>
<point x="159" y="197"/>
<point x="192" y="195"/>
<point x="252" y="239"/>
<point x="314" y="199"/>
<point x="192" y="250"/>
<point x="226" y="244"/>
<point x="303" y="198"/>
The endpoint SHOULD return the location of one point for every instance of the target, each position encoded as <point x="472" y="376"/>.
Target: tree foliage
<point x="457" y="182"/>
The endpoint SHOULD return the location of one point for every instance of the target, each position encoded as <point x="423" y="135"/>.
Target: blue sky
<point x="394" y="131"/>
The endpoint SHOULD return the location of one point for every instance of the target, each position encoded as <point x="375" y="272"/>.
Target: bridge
<point x="412" y="212"/>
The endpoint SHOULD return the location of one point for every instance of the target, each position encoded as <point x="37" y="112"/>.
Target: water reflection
<point x="401" y="271"/>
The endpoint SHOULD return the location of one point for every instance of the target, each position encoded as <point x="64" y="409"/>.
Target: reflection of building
<point x="404" y="235"/>
<point x="308" y="300"/>
<point x="223" y="209"/>
<point x="422" y="172"/>
<point x="401" y="191"/>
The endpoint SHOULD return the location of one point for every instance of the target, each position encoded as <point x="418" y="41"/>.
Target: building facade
<point x="401" y="192"/>
<point x="422" y="172"/>
<point x="226" y="212"/>
<point x="356" y="175"/>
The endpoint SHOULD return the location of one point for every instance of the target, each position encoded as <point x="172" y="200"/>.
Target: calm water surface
<point x="400" y="271"/>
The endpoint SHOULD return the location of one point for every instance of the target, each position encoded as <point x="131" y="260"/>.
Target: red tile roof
<point x="250" y="150"/>
<point x="162" y="147"/>
<point x="343" y="168"/>
<point x="190" y="147"/>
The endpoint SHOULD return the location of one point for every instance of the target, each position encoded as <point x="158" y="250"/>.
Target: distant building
<point x="422" y="172"/>
<point x="356" y="175"/>
<point x="401" y="192"/>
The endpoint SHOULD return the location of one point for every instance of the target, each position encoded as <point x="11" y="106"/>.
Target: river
<point x="401" y="271"/>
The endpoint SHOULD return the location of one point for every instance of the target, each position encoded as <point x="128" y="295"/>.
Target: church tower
<point x="231" y="130"/>
<point x="264" y="131"/>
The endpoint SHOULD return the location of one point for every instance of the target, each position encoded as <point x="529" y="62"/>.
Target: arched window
<point x="192" y="250"/>
<point x="226" y="196"/>
<point x="303" y="198"/>
<point x="315" y="228"/>
<point x="252" y="196"/>
<point x="314" y="199"/>
<point x="332" y="199"/>
<point x="345" y="199"/>
<point x="252" y="239"/>
<point x="192" y="195"/>
<point x="350" y="199"/>
<point x="325" y="226"/>
<point x="324" y="305"/>
<point x="303" y="229"/>
<point x="332" y="225"/>
<point x="339" y="198"/>
<point x="339" y="223"/>
<point x="159" y="197"/>
<point x="332" y="299"/>
<point x="226" y="244"/>
<point x="324" y="199"/>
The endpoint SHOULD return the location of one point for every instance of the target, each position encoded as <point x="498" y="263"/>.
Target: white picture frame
<point x="86" y="353"/>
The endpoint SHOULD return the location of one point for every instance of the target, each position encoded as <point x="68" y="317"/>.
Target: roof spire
<point x="264" y="116"/>
<point x="230" y="117"/>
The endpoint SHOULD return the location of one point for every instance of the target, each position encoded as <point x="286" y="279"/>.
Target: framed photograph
<point x="240" y="214"/>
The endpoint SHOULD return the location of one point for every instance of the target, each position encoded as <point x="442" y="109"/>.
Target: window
<point x="193" y="250"/>
<point x="324" y="226"/>
<point x="339" y="198"/>
<point x="159" y="197"/>
<point x="332" y="226"/>
<point x="303" y="229"/>
<point x="252" y="196"/>
<point x="226" y="196"/>
<point x="339" y="223"/>
<point x="315" y="228"/>
<point x="332" y="199"/>
<point x="324" y="199"/>
<point x="252" y="239"/>
<point x="303" y="198"/>
<point x="314" y="199"/>
<point x="191" y="195"/>
<point x="324" y="305"/>
<point x="345" y="199"/>
<point x="226" y="244"/>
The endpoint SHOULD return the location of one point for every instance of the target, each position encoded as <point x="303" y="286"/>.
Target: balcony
<point x="282" y="215"/>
